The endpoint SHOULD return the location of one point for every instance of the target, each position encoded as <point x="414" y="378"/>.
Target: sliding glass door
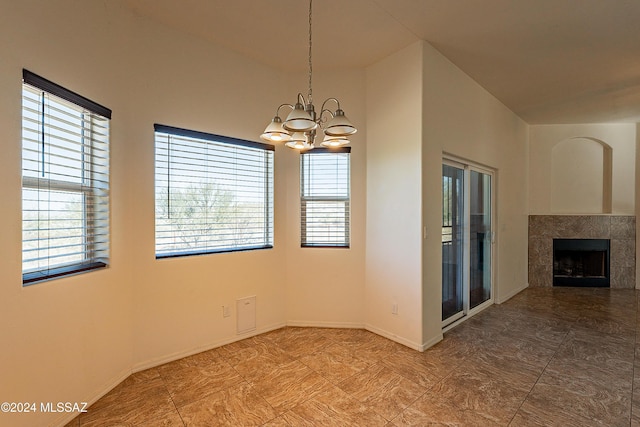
<point x="452" y="242"/>
<point x="481" y="236"/>
<point x="467" y="238"/>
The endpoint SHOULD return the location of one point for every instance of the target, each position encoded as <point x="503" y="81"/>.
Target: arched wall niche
<point x="581" y="176"/>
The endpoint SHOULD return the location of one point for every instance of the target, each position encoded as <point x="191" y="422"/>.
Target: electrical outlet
<point x="394" y="308"/>
<point x="226" y="311"/>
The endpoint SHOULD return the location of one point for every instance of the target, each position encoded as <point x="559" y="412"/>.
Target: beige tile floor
<point x="562" y="356"/>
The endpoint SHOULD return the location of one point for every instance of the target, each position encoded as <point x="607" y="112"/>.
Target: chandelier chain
<point x="310" y="63"/>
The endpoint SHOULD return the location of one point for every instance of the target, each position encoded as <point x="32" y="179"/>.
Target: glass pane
<point x="480" y="239"/>
<point x="324" y="199"/>
<point x="53" y="233"/>
<point x="452" y="240"/>
<point x="59" y="153"/>
<point x="211" y="196"/>
<point x="325" y="223"/>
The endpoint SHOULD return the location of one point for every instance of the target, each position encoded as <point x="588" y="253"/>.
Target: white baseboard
<point x="152" y="363"/>
<point x="511" y="294"/>
<point x="370" y="328"/>
<point x="433" y="341"/>
<point x="314" y="324"/>
<point x="110" y="385"/>
<point x="394" y="337"/>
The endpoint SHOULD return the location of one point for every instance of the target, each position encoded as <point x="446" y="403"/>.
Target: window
<point x="213" y="193"/>
<point x="324" y="197"/>
<point x="65" y="181"/>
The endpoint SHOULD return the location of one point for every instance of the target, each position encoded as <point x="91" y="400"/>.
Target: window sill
<point x="56" y="273"/>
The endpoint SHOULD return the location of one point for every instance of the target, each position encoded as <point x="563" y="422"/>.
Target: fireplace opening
<point x="581" y="262"/>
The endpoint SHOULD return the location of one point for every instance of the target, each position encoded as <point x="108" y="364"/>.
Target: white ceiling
<point x="549" y="61"/>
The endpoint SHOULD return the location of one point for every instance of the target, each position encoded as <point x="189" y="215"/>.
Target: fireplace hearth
<point x="581" y="262"/>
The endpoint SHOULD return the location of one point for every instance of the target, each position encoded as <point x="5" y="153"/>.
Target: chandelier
<point x="299" y="130"/>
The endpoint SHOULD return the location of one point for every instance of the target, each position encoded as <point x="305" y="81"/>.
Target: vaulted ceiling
<point x="549" y="61"/>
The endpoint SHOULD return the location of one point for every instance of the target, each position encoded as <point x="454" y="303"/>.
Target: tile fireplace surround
<point x="621" y="230"/>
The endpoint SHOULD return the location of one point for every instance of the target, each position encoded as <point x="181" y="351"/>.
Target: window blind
<point x="325" y="197"/>
<point x="213" y="193"/>
<point x="65" y="181"/>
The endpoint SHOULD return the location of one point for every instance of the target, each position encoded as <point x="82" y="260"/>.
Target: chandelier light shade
<point x="299" y="120"/>
<point x="299" y="129"/>
<point x="299" y="141"/>
<point x="275" y="132"/>
<point x="334" y="141"/>
<point x="339" y="125"/>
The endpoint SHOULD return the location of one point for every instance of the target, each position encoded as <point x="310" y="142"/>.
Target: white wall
<point x="325" y="286"/>
<point x="462" y="119"/>
<point x="177" y="303"/>
<point x="543" y="138"/>
<point x="68" y="339"/>
<point x="72" y="339"/>
<point x="419" y="106"/>
<point x="578" y="169"/>
<point x="394" y="194"/>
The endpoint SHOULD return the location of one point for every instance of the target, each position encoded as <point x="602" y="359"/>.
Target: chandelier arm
<point x="324" y="110"/>
<point x="327" y="100"/>
<point x="283" y="105"/>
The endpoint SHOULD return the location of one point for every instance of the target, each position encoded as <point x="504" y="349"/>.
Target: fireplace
<point x="619" y="230"/>
<point x="581" y="262"/>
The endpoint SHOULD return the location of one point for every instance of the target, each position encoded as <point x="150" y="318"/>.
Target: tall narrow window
<point x="213" y="193"/>
<point x="325" y="197"/>
<point x="65" y="181"/>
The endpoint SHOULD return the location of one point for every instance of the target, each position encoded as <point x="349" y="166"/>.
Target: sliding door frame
<point x="467" y="167"/>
